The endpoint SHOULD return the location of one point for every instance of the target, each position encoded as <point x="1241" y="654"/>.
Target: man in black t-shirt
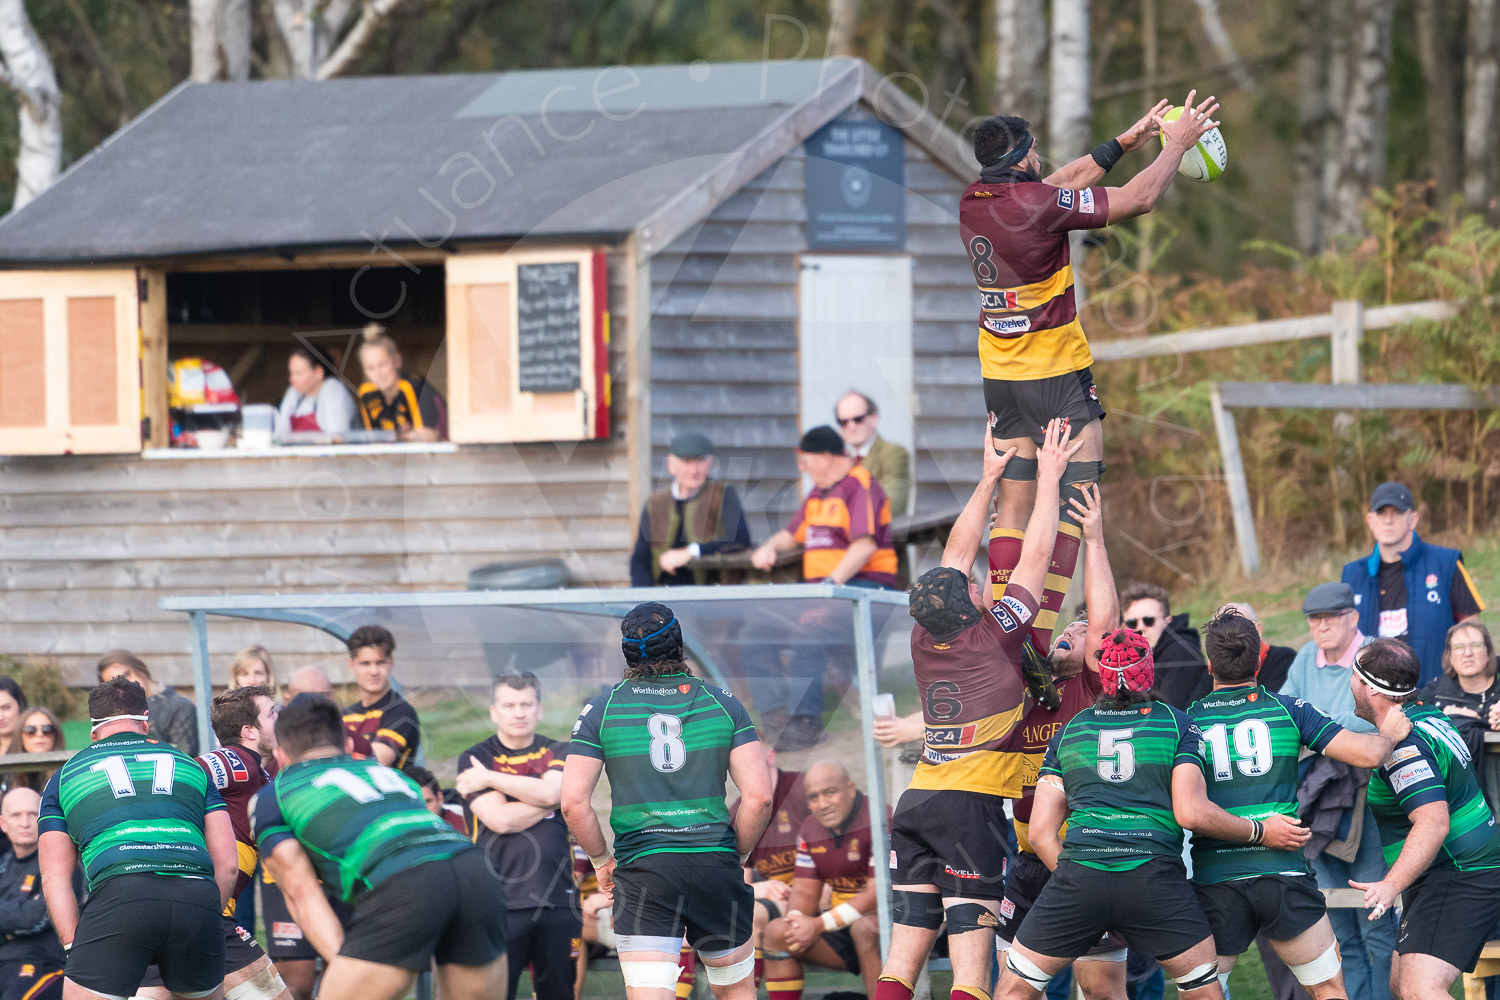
<point x="382" y="724"/>
<point x="512" y="784"/>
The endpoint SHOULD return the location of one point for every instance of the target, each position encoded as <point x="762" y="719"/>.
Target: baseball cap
<point x="691" y="445"/>
<point x="1392" y="495"/>
<point x="1328" y="599"/>
<point x="822" y="440"/>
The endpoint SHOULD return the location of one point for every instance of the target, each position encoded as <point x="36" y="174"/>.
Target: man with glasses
<point x="889" y="463"/>
<point x="1181" y="671"/>
<point x="1320" y="676"/>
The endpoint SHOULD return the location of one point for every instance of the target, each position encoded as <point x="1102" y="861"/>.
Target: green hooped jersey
<point x="133" y="806"/>
<point x="665" y="743"/>
<point x="1116" y="767"/>
<point x="1432" y="765"/>
<point x="1251" y="740"/>
<point x="360" y="822"/>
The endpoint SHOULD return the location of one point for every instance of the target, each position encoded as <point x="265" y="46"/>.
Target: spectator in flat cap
<point x="693" y="516"/>
<point x="1406" y="588"/>
<point x="844" y="528"/>
<point x="890" y="464"/>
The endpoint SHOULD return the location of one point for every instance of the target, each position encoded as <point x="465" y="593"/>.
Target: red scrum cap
<point x="1125" y="662"/>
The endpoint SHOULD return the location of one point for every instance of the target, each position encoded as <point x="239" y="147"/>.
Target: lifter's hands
<point x="1284" y="833"/>
<point x="1136" y="135"/>
<point x="1395" y="726"/>
<point x="1090" y="514"/>
<point x="1194" y="123"/>
<point x="1056" y="451"/>
<point x="994" y="461"/>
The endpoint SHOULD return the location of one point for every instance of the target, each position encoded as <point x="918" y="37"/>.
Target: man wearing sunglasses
<point x="888" y="463"/>
<point x="1181" y="671"/>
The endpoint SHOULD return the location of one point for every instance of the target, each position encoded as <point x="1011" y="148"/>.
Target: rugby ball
<point x="1204" y="162"/>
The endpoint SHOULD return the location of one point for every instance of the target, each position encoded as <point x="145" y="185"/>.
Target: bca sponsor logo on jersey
<point x="1007" y="299"/>
<point x="1410" y="775"/>
<point x="1003" y="617"/>
<point x="951" y="736"/>
<point x="1022" y="613"/>
<point x="1065" y="199"/>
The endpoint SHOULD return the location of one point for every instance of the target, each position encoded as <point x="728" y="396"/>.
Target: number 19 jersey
<point x="1251" y="740"/>
<point x="665" y="743"/>
<point x="132" y="805"/>
<point x="360" y="821"/>
<point x="1116" y="767"/>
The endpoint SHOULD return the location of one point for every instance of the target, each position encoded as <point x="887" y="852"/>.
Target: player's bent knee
<point x="265" y="984"/>
<point x="728" y="975"/>
<point x="917" y="909"/>
<point x="1027" y="970"/>
<point x="965" y="917"/>
<point x="1198" y="977"/>
<point x="651" y="975"/>
<point x="1320" y="969"/>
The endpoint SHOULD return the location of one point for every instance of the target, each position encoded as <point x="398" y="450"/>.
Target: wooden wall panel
<point x="488" y="330"/>
<point x="93" y="390"/>
<point x="23" y="364"/>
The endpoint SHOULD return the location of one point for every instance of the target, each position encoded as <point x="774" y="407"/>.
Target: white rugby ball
<point x="1204" y="162"/>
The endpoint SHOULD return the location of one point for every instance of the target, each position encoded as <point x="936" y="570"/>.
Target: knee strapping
<point x="1198" y="978"/>
<point x="1027" y="970"/>
<point x="728" y="975"/>
<point x="1082" y="472"/>
<point x="650" y="975"/>
<point x="917" y="909"/>
<point x="266" y="984"/>
<point x="1320" y="969"/>
<point x="1020" y="470"/>
<point x="964" y="917"/>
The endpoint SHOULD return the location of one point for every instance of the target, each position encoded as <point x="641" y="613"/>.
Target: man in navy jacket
<point x="1406" y="588"/>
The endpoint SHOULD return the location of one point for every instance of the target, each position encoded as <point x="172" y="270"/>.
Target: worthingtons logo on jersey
<point x="634" y="689"/>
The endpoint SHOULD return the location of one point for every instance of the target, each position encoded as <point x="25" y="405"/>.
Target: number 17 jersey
<point x="665" y="743"/>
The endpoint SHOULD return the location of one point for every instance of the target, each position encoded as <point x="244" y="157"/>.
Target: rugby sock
<point x="760" y="967"/>
<point x="1005" y="552"/>
<point x="688" y="963"/>
<point x="893" y="988"/>
<point x="968" y="993"/>
<point x="783" y="989"/>
<point x="1059" y="576"/>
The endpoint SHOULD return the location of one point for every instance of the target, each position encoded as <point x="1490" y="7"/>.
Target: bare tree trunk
<point x="204" y="44"/>
<point x="1218" y="36"/>
<point x="1337" y="27"/>
<point x="234" y="38"/>
<point x="1146" y="228"/>
<point x="560" y="38"/>
<point x="297" y="25"/>
<point x="1068" y="102"/>
<point x="1312" y="121"/>
<point x="1362" y="153"/>
<point x="1435" y="55"/>
<point x="841" y="21"/>
<point x="26" y="69"/>
<point x="372" y="16"/>
<point x="1481" y="76"/>
<point x="1019" y="34"/>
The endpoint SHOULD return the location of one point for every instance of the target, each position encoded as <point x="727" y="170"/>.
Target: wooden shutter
<point x="69" y="362"/>
<point x="501" y="387"/>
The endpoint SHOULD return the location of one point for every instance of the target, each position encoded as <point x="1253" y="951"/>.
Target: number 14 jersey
<point x="665" y="743"/>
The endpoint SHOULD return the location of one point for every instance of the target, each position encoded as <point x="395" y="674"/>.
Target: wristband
<point x="1257" y="831"/>
<point x="600" y="861"/>
<point x="1107" y="154"/>
<point x="839" y="917"/>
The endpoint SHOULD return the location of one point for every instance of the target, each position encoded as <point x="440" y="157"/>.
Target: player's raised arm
<point x="1090" y="168"/>
<point x="1099" y="594"/>
<point x="1041" y="531"/>
<point x="971" y="527"/>
<point x="1140" y="194"/>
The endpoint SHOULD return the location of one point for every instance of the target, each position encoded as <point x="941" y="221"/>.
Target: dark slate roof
<point x="282" y="165"/>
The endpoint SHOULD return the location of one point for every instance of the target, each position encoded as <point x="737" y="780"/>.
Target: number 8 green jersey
<point x="665" y="743"/>
<point x="360" y="821"/>
<point x="1116" y="768"/>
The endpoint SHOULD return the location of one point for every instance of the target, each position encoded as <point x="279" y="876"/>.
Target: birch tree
<point x="1313" y="115"/>
<point x="1481" y="76"/>
<point x="319" y="38"/>
<point x="1361" y="163"/>
<point x="1441" y="100"/>
<point x="1068" y="101"/>
<point x="1020" y="48"/>
<point x="26" y="69"/>
<point x="841" y="19"/>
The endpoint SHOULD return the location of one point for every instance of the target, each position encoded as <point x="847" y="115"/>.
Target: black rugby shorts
<point x="954" y="840"/>
<point x="1449" y="914"/>
<point x="1282" y="906"/>
<point x="133" y="921"/>
<point x="704" y="896"/>
<point x="1152" y="907"/>
<point x="450" y="910"/>
<point x="1022" y="409"/>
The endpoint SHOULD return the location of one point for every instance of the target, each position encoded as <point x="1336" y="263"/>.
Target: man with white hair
<point x="31" y="959"/>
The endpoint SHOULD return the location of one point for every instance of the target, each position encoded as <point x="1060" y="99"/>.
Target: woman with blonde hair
<point x="253" y="667"/>
<point x="390" y="399"/>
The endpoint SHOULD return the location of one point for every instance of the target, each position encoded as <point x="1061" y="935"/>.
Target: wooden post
<point x="638" y="372"/>
<point x="153" y="306"/>
<point x="1234" y="479"/>
<point x="1348" y="331"/>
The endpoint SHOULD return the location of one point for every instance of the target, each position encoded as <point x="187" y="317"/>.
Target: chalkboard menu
<point x="547" y="303"/>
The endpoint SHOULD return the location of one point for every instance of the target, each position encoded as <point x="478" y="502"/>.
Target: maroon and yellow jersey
<point x="1029" y="740"/>
<point x="237" y="773"/>
<point x="829" y="520"/>
<point x="843" y="860"/>
<point x="1016" y="236"/>
<point x="390" y="720"/>
<point x="973" y="697"/>
<point x="775" y="854"/>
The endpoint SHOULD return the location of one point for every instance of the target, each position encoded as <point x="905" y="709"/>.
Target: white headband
<point x="114" y="718"/>
<point x="1378" y="685"/>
